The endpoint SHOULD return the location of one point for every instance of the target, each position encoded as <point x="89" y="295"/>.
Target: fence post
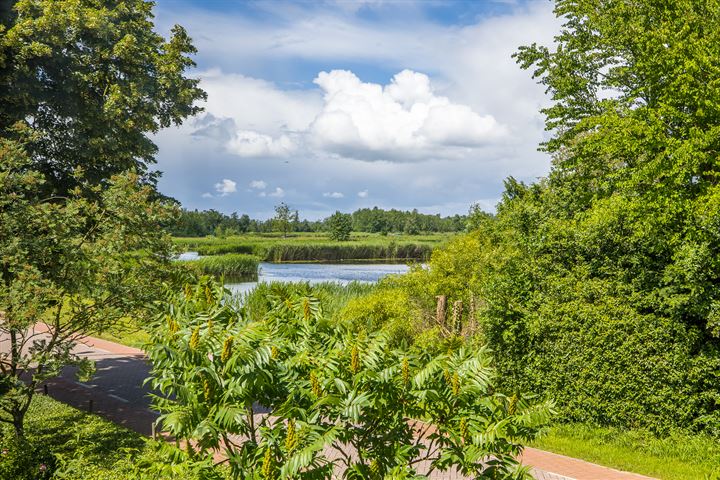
<point x="441" y="309"/>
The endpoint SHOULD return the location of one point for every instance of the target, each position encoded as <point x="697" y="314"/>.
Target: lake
<point x="319" y="272"/>
<point x="314" y="272"/>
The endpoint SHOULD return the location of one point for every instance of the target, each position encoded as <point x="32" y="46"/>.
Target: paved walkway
<point x="117" y="393"/>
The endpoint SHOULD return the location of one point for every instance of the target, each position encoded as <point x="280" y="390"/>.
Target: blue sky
<point x="338" y="105"/>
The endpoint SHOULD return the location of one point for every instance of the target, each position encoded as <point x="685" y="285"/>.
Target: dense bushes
<point x="598" y="286"/>
<point x="342" y="405"/>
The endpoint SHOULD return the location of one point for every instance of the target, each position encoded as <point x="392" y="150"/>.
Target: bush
<point x="22" y="460"/>
<point x="329" y="389"/>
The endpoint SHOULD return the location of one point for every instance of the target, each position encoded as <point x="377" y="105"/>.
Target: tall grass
<point x="333" y="296"/>
<point x="234" y="265"/>
<point x="317" y="248"/>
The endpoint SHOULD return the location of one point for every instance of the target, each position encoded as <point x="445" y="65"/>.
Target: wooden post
<point x="90" y="405"/>
<point x="45" y="389"/>
<point x="441" y="309"/>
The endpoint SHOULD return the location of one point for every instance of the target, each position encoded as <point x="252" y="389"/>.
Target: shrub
<point x="328" y="389"/>
<point x="22" y="460"/>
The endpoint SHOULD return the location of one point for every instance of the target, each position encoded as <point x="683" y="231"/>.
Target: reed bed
<point x="316" y="248"/>
<point x="332" y="295"/>
<point x="234" y="265"/>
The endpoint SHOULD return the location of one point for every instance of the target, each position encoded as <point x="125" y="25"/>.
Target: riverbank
<point x="316" y="247"/>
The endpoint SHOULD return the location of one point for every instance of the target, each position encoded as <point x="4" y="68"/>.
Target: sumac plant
<point x="338" y="405"/>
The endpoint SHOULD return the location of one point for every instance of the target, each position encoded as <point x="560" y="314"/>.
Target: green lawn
<point x="88" y="447"/>
<point x="676" y="457"/>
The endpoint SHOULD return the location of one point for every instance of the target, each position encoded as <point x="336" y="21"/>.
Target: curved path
<point x="118" y="394"/>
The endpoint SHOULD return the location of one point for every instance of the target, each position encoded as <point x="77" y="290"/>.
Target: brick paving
<point x="136" y="415"/>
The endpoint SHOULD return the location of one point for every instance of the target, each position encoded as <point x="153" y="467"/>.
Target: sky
<point x="339" y="105"/>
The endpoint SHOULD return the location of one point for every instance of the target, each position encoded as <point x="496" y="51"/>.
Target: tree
<point x="283" y="218"/>
<point x="91" y="81"/>
<point x="340" y="226"/>
<point x="82" y="86"/>
<point x="69" y="267"/>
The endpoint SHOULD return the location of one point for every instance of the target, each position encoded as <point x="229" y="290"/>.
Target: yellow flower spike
<point x="464" y="431"/>
<point x="274" y="352"/>
<point x="195" y="339"/>
<point x="455" y="384"/>
<point x="315" y="385"/>
<point x="405" y="371"/>
<point x="227" y="350"/>
<point x="267" y="465"/>
<point x="355" y="360"/>
<point x="207" y="390"/>
<point x="512" y="406"/>
<point x="291" y="440"/>
<point x="306" y="309"/>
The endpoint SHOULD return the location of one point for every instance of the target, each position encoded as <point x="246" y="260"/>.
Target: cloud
<point x="362" y="194"/>
<point x="402" y="120"/>
<point x="207" y="195"/>
<point x="333" y="195"/>
<point x="278" y="193"/>
<point x="247" y="143"/>
<point x="225" y="187"/>
<point x="259" y="73"/>
<point x="258" y="185"/>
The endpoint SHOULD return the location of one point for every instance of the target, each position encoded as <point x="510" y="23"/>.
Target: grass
<point x="127" y="333"/>
<point x="679" y="456"/>
<point x="333" y="296"/>
<point x="88" y="446"/>
<point x="314" y="247"/>
<point x="231" y="265"/>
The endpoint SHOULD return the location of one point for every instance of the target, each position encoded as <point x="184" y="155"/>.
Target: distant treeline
<point x="195" y="223"/>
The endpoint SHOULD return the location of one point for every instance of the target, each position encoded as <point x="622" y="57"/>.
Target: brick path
<point x="136" y="415"/>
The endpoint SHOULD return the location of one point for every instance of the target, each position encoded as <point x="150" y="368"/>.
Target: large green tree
<point x="599" y="285"/>
<point x="70" y="267"/>
<point x="92" y="80"/>
<point x="83" y="83"/>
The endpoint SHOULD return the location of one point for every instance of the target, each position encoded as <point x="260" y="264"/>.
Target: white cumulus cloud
<point x="258" y="185"/>
<point x="207" y="195"/>
<point x="333" y="195"/>
<point x="362" y="194"/>
<point x="225" y="187"/>
<point x="404" y="119"/>
<point x="278" y="192"/>
<point x="248" y="143"/>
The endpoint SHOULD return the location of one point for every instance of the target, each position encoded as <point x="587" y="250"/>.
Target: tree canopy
<point x="91" y="80"/>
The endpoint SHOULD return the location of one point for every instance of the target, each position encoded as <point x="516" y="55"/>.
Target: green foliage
<point x="75" y="445"/>
<point x="597" y="286"/>
<point x="108" y="81"/>
<point x="328" y="390"/>
<point x="317" y="248"/>
<point x="73" y="265"/>
<point x="340" y="226"/>
<point x="231" y="265"/>
<point x="258" y="303"/>
<point x="21" y="460"/>
<point x="195" y="223"/>
<point x="383" y="309"/>
<point x="283" y="218"/>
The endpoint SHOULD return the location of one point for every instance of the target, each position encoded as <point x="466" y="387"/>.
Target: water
<point x="319" y="272"/>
